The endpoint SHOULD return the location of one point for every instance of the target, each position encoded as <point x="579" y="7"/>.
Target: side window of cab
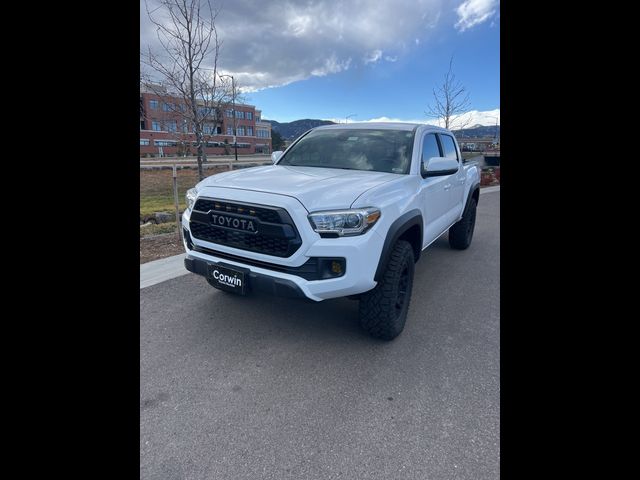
<point x="430" y="148"/>
<point x="449" y="147"/>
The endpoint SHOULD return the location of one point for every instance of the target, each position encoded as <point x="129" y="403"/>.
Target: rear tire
<point x="461" y="233"/>
<point x="383" y="310"/>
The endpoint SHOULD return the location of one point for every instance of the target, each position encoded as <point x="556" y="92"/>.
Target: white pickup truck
<point x="345" y="211"/>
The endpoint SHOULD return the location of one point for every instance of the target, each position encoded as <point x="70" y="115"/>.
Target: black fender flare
<point x="397" y="228"/>
<point x="472" y="190"/>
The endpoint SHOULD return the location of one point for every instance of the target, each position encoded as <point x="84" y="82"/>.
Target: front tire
<point x="383" y="310"/>
<point x="461" y="233"/>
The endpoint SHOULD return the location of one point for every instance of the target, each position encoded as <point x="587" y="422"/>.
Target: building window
<point x="144" y="142"/>
<point x="263" y="133"/>
<point x="209" y="128"/>
<point x="239" y="114"/>
<point x="153" y="104"/>
<point x="240" y="131"/>
<point x="185" y="126"/>
<point x="249" y="131"/>
<point x="155" y="125"/>
<point x="229" y="131"/>
<point x="249" y="116"/>
<point x="165" y="143"/>
<point x="205" y="112"/>
<point x="166" y="107"/>
<point x="172" y="126"/>
<point x="141" y="124"/>
<point x="228" y="113"/>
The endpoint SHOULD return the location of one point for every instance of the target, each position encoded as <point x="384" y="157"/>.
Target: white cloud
<point x="267" y="44"/>
<point x="331" y="65"/>
<point x="353" y="119"/>
<point x="473" y="12"/>
<point x="390" y="59"/>
<point x="472" y="117"/>
<point x="373" y="57"/>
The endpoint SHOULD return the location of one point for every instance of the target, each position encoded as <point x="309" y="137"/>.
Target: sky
<point x="357" y="60"/>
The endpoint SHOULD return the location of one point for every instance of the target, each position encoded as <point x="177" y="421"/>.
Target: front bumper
<point x="257" y="282"/>
<point x="360" y="252"/>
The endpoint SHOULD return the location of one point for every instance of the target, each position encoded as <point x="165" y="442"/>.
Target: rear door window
<point x="449" y="147"/>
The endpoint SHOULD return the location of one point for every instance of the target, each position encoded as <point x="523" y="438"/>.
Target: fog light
<point x="336" y="267"/>
<point x="331" y="267"/>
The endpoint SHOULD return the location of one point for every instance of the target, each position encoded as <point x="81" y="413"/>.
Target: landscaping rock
<point x="164" y="217"/>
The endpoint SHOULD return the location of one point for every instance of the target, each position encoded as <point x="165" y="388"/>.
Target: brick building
<point x="163" y="131"/>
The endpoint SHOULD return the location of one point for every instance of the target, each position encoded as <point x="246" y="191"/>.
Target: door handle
<point x="447" y="186"/>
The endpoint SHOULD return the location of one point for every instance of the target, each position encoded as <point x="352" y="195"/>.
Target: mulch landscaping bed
<point x="490" y="176"/>
<point x="161" y="246"/>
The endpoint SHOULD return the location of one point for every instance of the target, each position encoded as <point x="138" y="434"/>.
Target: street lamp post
<point x="233" y="111"/>
<point x="495" y="135"/>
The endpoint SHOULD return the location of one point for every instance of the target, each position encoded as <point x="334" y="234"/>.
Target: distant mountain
<point x="292" y="130"/>
<point x="478" y="131"/>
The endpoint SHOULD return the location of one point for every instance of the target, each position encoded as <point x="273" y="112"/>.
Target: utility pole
<point x="349" y="116"/>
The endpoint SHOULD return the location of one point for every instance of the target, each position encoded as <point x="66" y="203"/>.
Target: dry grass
<point x="156" y="188"/>
<point x="160" y="229"/>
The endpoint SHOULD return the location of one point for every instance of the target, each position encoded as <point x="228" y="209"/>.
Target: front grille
<point x="263" y="214"/>
<point x="276" y="236"/>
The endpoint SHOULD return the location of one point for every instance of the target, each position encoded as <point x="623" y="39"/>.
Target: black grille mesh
<point x="263" y="214"/>
<point x="275" y="245"/>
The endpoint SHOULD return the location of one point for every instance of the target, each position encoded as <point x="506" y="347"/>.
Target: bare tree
<point x="185" y="64"/>
<point x="450" y="101"/>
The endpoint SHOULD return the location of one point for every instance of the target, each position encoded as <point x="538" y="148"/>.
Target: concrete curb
<point x="162" y="270"/>
<point x="165" y="269"/>
<point x="490" y="189"/>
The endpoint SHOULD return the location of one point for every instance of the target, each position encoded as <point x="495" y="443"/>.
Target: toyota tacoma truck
<point x="345" y="211"/>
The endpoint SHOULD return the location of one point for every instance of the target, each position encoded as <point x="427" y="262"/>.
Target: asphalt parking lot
<point x="269" y="388"/>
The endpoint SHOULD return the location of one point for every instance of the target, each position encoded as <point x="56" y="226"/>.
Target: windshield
<point x="353" y="149"/>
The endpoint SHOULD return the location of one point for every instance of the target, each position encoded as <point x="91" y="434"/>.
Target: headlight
<point x="191" y="198"/>
<point x="344" y="222"/>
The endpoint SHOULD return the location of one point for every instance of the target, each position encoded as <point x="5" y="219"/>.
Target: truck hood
<point x="316" y="188"/>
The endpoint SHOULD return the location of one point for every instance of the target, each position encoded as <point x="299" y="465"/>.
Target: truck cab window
<point x="449" y="147"/>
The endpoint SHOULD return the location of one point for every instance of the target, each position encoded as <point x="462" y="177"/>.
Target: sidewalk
<point x="162" y="270"/>
<point x="171" y="267"/>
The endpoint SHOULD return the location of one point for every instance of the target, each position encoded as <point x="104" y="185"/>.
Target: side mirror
<point x="439" y="166"/>
<point x="275" y="156"/>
